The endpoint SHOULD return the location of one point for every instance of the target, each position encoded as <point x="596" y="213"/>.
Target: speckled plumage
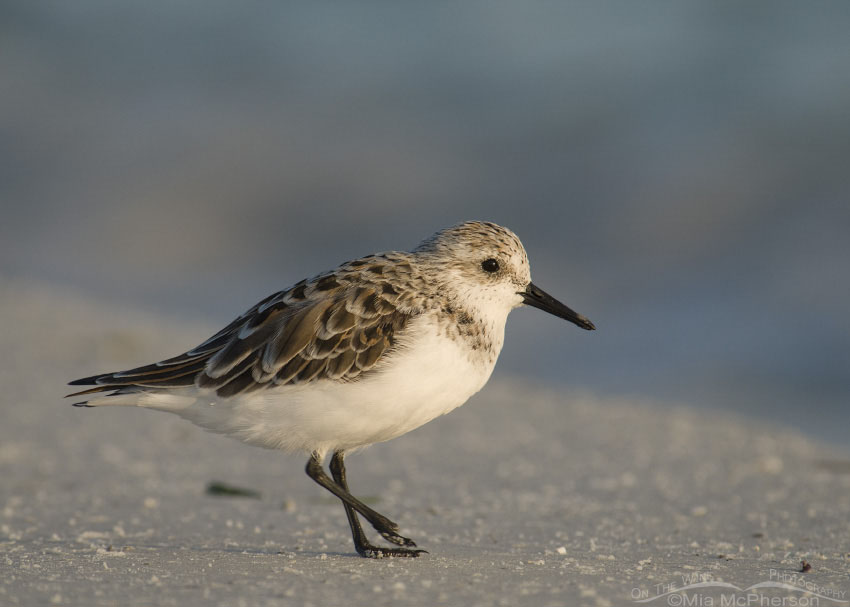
<point x="354" y="356"/>
<point x="337" y="325"/>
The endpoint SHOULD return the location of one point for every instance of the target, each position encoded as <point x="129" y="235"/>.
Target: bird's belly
<point x="416" y="385"/>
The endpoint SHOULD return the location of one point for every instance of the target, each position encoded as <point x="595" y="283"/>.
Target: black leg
<point x="352" y="505"/>
<point x="364" y="548"/>
<point x="361" y="544"/>
<point x="378" y="521"/>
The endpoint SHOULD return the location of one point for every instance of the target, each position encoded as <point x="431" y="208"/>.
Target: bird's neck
<point x="480" y="328"/>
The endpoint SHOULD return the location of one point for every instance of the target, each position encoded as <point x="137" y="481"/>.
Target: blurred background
<point x="678" y="172"/>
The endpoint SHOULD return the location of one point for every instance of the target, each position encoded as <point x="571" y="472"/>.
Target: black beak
<point x="537" y="297"/>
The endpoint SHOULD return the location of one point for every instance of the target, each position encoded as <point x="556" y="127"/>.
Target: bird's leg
<point x="360" y="542"/>
<point x="315" y="471"/>
<point x="352" y="505"/>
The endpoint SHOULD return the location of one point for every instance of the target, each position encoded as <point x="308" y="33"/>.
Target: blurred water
<point x="678" y="172"/>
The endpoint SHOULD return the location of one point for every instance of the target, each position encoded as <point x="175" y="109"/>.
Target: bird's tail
<point x="130" y="396"/>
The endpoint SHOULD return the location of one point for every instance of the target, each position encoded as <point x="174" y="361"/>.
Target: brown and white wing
<point x="317" y="330"/>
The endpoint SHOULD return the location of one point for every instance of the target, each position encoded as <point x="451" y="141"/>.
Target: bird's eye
<point x="490" y="265"/>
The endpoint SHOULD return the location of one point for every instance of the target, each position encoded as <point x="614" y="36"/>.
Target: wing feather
<point x="340" y="364"/>
<point x="295" y="336"/>
<point x="335" y="327"/>
<point x="288" y="372"/>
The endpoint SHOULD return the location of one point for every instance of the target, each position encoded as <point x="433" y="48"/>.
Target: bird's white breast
<point x="428" y="375"/>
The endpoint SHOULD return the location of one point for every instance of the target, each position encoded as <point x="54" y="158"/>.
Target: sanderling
<point x="351" y="357"/>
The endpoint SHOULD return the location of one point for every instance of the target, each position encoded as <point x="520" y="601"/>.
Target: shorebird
<point x="358" y="355"/>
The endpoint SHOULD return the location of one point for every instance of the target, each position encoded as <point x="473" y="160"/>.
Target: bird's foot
<point x="395" y="538"/>
<point x="379" y="552"/>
